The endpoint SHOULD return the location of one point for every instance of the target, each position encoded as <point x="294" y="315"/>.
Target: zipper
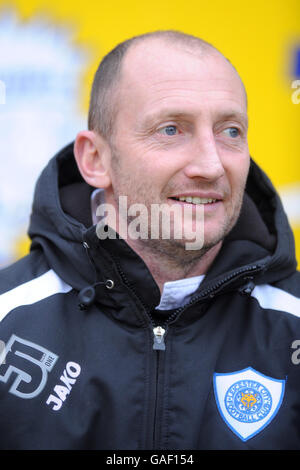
<point x="159" y="343"/>
<point x="156" y="414"/>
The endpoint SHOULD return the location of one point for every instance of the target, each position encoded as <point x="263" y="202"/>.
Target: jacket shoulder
<point x="28" y="281"/>
<point x="282" y="296"/>
<point x="291" y="284"/>
<point x="22" y="271"/>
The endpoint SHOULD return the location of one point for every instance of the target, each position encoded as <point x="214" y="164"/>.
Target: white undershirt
<point x="178" y="293"/>
<point x="175" y="293"/>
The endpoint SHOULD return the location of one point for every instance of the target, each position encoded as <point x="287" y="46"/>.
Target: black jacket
<point x="78" y="376"/>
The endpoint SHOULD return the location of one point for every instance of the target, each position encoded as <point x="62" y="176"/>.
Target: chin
<point x="214" y="236"/>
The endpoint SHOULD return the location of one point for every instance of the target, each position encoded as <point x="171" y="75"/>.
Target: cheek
<point x="237" y="169"/>
<point x="149" y="171"/>
<point x="133" y="179"/>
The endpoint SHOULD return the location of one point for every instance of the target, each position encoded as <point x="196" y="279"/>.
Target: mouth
<point x="195" y="200"/>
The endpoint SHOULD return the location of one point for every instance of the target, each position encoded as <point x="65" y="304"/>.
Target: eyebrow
<point x="179" y="114"/>
<point x="238" y="115"/>
<point x="151" y="119"/>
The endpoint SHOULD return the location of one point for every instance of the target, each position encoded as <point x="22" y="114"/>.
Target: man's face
<point x="181" y="131"/>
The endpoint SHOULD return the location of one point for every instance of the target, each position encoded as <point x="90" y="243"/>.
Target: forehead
<point x="157" y="75"/>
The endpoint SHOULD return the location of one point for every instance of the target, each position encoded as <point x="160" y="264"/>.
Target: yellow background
<point x="256" y="36"/>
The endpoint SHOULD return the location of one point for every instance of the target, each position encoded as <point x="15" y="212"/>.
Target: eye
<point x="168" y="130"/>
<point x="233" y="131"/>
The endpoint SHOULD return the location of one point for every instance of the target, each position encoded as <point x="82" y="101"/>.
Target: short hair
<point x="103" y="106"/>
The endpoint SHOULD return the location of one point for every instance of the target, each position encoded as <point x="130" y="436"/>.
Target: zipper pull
<point x="159" y="342"/>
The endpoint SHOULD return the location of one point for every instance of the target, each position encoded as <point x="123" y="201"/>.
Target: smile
<point x="194" y="199"/>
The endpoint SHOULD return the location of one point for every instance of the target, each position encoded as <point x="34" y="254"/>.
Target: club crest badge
<point x="247" y="400"/>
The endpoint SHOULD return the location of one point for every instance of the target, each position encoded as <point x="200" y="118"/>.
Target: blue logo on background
<point x="248" y="401"/>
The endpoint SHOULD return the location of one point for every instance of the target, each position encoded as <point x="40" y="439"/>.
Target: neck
<point x="173" y="264"/>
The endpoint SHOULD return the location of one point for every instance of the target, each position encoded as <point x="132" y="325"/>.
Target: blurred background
<point x="50" y="50"/>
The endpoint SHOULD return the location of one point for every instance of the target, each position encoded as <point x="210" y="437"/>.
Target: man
<point x="118" y="341"/>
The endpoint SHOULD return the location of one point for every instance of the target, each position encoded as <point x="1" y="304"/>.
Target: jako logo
<point x="70" y="374"/>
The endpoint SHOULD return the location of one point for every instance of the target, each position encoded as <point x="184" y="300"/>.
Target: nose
<point x="203" y="158"/>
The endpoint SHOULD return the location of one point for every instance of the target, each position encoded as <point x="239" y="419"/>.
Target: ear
<point x="92" y="153"/>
